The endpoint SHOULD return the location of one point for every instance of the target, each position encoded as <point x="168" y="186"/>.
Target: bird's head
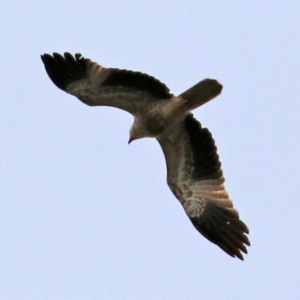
<point x="135" y="133"/>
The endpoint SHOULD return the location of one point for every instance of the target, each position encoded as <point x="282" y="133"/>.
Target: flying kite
<point x="194" y="172"/>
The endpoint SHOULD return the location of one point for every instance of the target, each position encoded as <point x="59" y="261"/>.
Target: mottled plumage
<point x="194" y="172"/>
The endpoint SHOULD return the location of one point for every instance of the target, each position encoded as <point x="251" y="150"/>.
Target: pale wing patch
<point x="195" y="195"/>
<point x="213" y="191"/>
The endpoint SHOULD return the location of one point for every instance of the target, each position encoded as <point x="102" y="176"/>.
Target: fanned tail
<point x="201" y="93"/>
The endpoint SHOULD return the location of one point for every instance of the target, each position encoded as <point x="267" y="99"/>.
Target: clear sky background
<point x="85" y="216"/>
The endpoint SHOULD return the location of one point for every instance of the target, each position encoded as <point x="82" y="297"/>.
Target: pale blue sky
<point x="85" y="216"/>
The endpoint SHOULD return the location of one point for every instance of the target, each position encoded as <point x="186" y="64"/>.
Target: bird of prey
<point x="194" y="172"/>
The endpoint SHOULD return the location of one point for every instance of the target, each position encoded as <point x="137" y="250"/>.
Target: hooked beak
<point x="130" y="140"/>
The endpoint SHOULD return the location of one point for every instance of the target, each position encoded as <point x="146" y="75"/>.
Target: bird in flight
<point x="194" y="172"/>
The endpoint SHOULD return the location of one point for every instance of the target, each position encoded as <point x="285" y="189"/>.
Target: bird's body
<point x="193" y="168"/>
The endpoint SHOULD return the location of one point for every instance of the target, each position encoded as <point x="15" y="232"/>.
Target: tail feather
<point x="201" y="93"/>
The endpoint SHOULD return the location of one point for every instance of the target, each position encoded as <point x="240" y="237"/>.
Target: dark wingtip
<point x="223" y="227"/>
<point x="63" y="70"/>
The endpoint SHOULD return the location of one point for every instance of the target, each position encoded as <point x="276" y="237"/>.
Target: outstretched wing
<point x="96" y="85"/>
<point x="196" y="179"/>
